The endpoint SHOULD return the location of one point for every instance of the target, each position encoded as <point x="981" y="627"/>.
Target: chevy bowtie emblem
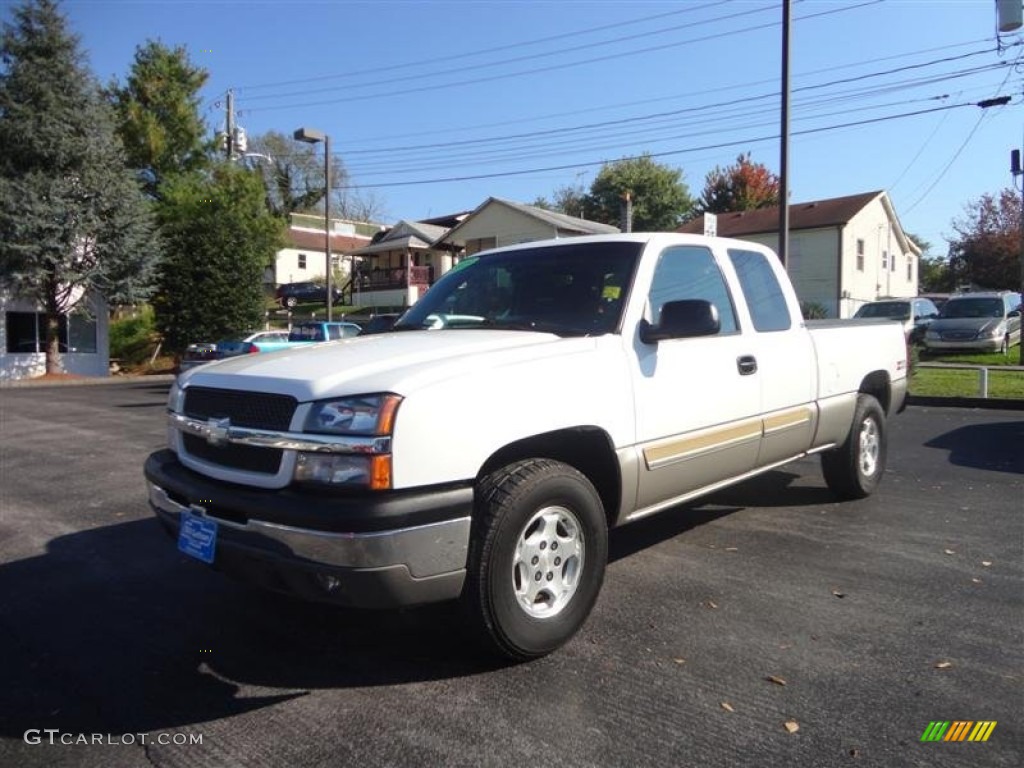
<point x="217" y="431"/>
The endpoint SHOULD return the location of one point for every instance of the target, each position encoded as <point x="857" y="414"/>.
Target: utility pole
<point x="784" y="142"/>
<point x="230" y="122"/>
<point x="1016" y="170"/>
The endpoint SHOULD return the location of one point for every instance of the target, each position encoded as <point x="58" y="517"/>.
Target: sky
<point x="434" y="106"/>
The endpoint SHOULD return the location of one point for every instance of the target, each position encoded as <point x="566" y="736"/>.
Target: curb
<point x="994" y="403"/>
<point x="91" y="381"/>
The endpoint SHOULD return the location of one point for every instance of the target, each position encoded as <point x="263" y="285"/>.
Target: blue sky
<point x="434" y="106"/>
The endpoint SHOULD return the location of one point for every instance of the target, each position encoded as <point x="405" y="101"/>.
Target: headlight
<point x="176" y="398"/>
<point x="996" y="333"/>
<point x="364" y="467"/>
<point x="364" y="415"/>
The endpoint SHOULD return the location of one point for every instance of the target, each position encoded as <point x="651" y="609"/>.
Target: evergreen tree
<point x="219" y="238"/>
<point x="72" y="218"/>
<point x="158" y="116"/>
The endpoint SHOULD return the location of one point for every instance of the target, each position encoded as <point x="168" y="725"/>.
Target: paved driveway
<point x="878" y="616"/>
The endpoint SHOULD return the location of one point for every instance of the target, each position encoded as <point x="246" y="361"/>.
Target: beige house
<point x="497" y="222"/>
<point x="843" y="252"/>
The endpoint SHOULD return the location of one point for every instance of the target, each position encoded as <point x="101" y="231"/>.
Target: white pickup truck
<point x="564" y="388"/>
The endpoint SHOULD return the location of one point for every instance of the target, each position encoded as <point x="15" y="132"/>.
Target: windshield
<point x="570" y="290"/>
<point x="897" y="310"/>
<point x="962" y="308"/>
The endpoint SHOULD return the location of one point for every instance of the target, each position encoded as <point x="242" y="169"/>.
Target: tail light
<point x="253" y="349"/>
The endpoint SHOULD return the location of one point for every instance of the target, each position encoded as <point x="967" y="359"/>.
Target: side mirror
<point x="1014" y="313"/>
<point x="681" y="320"/>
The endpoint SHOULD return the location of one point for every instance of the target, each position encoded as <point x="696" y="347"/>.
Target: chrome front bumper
<point x="406" y="566"/>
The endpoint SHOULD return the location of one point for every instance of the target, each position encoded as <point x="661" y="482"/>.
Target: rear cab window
<point x="760" y="286"/>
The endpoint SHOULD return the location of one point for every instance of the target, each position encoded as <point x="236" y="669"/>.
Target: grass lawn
<point x="945" y="382"/>
<point x="972" y="358"/>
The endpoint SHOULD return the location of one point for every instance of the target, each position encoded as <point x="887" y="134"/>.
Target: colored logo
<point x="958" y="730"/>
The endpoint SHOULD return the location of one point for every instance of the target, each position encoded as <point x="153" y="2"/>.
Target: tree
<point x="933" y="273"/>
<point x="569" y="199"/>
<point x="220" y="237"/>
<point x="660" y="198"/>
<point x="293" y="173"/>
<point x="158" y="116"/>
<point x="72" y="218"/>
<point x="986" y="251"/>
<point x="740" y="187"/>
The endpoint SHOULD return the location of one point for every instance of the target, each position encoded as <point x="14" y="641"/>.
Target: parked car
<point x="249" y="344"/>
<point x="314" y="331"/>
<point x="988" y="322"/>
<point x="380" y="323"/>
<point x="915" y="314"/>
<point x="291" y="294"/>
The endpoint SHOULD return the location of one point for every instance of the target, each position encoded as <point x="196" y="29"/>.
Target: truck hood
<point x="398" y="362"/>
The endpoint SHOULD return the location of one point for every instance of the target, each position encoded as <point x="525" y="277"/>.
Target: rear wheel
<point x="854" y="469"/>
<point x="1004" y="348"/>
<point x="537" y="557"/>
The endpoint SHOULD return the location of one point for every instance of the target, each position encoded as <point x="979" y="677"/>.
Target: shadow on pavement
<point x="996" y="446"/>
<point x="112" y="630"/>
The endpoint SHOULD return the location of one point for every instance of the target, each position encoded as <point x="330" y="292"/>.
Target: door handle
<point x="747" y="364"/>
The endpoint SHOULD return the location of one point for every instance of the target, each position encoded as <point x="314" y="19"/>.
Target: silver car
<point x="987" y="322"/>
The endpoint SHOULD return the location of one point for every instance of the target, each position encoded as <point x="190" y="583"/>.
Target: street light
<point x="312" y="136"/>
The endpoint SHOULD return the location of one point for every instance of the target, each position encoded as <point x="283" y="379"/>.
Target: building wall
<point x="20" y="365"/>
<point x="287" y="269"/>
<point x="811" y="264"/>
<point x="885" y="263"/>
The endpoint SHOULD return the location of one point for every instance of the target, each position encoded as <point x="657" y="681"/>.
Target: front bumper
<point x="374" y="551"/>
<point x="979" y="345"/>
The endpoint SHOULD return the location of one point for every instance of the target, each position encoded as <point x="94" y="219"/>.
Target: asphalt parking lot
<point x="720" y="623"/>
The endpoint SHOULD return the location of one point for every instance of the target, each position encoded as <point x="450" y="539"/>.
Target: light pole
<point x="312" y="136"/>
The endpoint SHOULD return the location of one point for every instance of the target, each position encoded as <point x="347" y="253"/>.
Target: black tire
<point x="526" y="512"/>
<point x="855" y="468"/>
<point x="1004" y="348"/>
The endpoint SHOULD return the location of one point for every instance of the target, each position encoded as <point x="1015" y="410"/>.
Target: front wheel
<point x="854" y="469"/>
<point x="537" y="558"/>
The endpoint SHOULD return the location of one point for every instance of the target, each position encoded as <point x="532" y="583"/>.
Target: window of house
<point x="860" y="255"/>
<point x="302" y="261"/>
<point x="767" y="303"/>
<point x="691" y="272"/>
<point x="892" y="263"/>
<point x="885" y="259"/>
<point x="910" y="269"/>
<point x="26" y="333"/>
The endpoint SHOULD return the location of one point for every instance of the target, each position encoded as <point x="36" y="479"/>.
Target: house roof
<point x="811" y="215"/>
<point x="405" y="235"/>
<point x="314" y="240"/>
<point x="559" y="220"/>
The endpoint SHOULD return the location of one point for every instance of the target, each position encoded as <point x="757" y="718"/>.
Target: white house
<point x="843" y="252"/>
<point x="84" y="338"/>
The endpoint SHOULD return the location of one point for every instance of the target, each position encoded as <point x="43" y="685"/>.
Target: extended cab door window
<point x="768" y="308"/>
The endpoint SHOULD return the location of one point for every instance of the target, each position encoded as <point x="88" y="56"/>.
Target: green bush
<point x="133" y="339"/>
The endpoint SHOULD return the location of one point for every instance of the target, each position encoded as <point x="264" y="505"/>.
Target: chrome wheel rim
<point x="548" y="561"/>
<point x="870" y="446"/>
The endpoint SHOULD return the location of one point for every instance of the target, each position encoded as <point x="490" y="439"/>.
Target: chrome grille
<point x="258" y="410"/>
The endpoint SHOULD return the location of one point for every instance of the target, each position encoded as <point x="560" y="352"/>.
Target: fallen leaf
<point x="776" y="680"/>
<point x="726" y="706"/>
<point x="949" y="551"/>
<point x="731" y="549"/>
<point x="854" y="752"/>
<point x="943" y="664"/>
<point x="710" y="604"/>
<point x="785" y="647"/>
<point x="976" y="581"/>
<point x="792" y="726"/>
<point x="837" y="593"/>
<point x="986" y="563"/>
<point x="679" y="661"/>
